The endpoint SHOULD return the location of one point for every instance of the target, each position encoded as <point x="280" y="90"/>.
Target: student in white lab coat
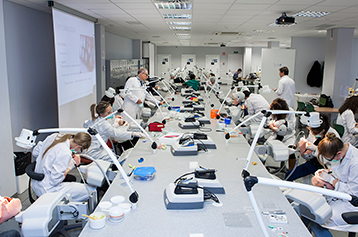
<point x="114" y="128"/>
<point x="133" y="102"/>
<point x="345" y="171"/>
<point x="213" y="83"/>
<point x="286" y="87"/>
<point x="255" y="103"/>
<point x="287" y="120"/>
<point x="346" y="117"/>
<point x="54" y="160"/>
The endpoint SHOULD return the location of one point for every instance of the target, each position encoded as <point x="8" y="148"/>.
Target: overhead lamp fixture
<point x="177" y="16"/>
<point x="311" y="14"/>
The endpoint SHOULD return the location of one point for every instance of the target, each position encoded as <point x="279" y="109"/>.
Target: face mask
<point x="336" y="161"/>
<point x="318" y="136"/>
<point x="73" y="151"/>
<point x="110" y="116"/>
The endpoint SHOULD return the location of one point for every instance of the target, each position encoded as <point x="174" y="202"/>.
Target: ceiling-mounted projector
<point x="285" y="20"/>
<point x="222" y="45"/>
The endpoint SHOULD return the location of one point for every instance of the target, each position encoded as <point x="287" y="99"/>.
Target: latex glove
<point x="138" y="134"/>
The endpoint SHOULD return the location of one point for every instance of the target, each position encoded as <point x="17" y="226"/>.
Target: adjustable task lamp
<point x="27" y="140"/>
<point x="157" y="79"/>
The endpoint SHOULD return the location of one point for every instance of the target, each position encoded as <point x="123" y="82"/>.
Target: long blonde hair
<point x="83" y="139"/>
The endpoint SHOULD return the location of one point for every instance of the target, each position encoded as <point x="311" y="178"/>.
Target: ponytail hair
<point x="98" y="109"/>
<point x="329" y="146"/>
<point x="83" y="139"/>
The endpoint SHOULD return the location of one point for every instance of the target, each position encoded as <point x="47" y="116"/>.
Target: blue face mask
<point x="110" y="116"/>
<point x="335" y="161"/>
<point x="73" y="151"/>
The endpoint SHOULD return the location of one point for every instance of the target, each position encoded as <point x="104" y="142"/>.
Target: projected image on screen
<point x="87" y="53"/>
<point x="75" y="67"/>
<point x="75" y="56"/>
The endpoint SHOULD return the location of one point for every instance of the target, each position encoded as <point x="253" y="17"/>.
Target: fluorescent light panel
<point x="311" y="14"/>
<point x="173" y="6"/>
<point x="274" y="24"/>
<point x="177" y="16"/>
<point x="179" y="23"/>
<point x="186" y="28"/>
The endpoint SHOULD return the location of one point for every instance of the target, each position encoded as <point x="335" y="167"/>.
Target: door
<point x="188" y="60"/>
<point x="164" y="63"/>
<point x="212" y="63"/>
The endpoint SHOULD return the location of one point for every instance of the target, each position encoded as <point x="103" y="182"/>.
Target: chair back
<point x="30" y="171"/>
<point x="301" y="106"/>
<point x="339" y="128"/>
<point x="309" y="107"/>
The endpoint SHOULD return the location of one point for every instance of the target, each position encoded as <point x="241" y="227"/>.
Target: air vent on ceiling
<point x="227" y="33"/>
<point x="156" y="36"/>
<point x="133" y="22"/>
<point x="212" y="44"/>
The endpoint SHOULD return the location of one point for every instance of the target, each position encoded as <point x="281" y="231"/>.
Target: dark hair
<point x="99" y="109"/>
<point x="107" y="99"/>
<point x="118" y="88"/>
<point x="329" y="146"/>
<point x="279" y="104"/>
<point x="192" y="76"/>
<point x="239" y="69"/>
<point x="284" y="70"/>
<point x="324" y="126"/>
<point x="246" y="93"/>
<point x="350" y="103"/>
<point x="212" y="74"/>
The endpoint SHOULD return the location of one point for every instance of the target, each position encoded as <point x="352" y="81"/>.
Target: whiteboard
<point x="271" y="61"/>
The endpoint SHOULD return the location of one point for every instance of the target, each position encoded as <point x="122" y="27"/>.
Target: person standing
<point x="286" y="87"/>
<point x="133" y="102"/>
<point x="236" y="76"/>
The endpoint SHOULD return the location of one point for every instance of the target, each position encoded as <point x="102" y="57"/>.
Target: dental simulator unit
<point x="314" y="211"/>
<point x="190" y="144"/>
<point x="190" y="193"/>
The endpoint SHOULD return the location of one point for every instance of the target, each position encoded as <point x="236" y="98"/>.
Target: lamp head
<point x="27" y="139"/>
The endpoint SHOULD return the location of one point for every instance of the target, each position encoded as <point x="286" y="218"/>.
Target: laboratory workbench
<point x="234" y="218"/>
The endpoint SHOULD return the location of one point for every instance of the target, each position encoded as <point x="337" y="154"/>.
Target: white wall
<point x="118" y="47"/>
<point x="200" y="53"/>
<point x="7" y="171"/>
<point x="308" y="50"/>
<point x="354" y="63"/>
<point x="256" y="59"/>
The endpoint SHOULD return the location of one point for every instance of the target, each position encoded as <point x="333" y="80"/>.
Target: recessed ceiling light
<point x="177" y="16"/>
<point x="185" y="28"/>
<point x="183" y="37"/>
<point x="322" y="31"/>
<point x="174" y="6"/>
<point x="180" y="23"/>
<point x="182" y="34"/>
<point x="156" y="36"/>
<point x="311" y="14"/>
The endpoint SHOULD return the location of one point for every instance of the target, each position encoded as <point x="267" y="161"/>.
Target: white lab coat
<point x="118" y="103"/>
<point x="107" y="128"/>
<point x="256" y="103"/>
<point x="53" y="165"/>
<point x="312" y="139"/>
<point x="348" y="121"/>
<point x="289" y="138"/>
<point x="286" y="90"/>
<point x="347" y="174"/>
<point x="130" y="101"/>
